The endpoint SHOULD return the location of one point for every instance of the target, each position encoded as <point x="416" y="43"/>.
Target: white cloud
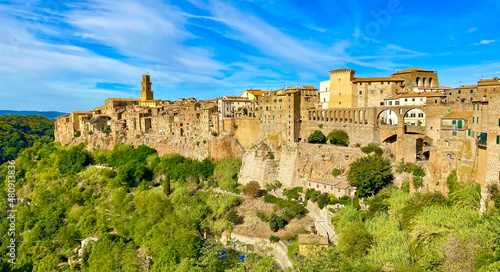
<point x="484" y="42"/>
<point x="472" y="29"/>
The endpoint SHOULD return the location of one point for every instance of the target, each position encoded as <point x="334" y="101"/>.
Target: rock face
<point x="294" y="162"/>
<point x="221" y="147"/>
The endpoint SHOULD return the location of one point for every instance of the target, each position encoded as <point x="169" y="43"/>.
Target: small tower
<point x="146" y="93"/>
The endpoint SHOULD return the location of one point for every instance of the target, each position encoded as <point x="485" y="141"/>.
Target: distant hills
<point x="47" y="114"/>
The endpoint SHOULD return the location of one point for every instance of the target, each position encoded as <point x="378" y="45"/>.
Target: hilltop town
<point x="408" y="114"/>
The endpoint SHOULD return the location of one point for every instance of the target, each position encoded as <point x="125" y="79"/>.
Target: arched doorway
<point x="387" y="117"/>
<point x="414" y="117"/>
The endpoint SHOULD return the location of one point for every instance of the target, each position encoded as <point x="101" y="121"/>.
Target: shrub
<point x="198" y="143"/>
<point x="138" y="136"/>
<point x="274" y="239"/>
<point x="233" y="217"/>
<point x="106" y="129"/>
<point x="252" y="189"/>
<point x="78" y="134"/>
<point x="214" y="133"/>
<point x="276" y="222"/>
<point x="317" y="137"/>
<point x="336" y="172"/>
<point x="355" y="240"/>
<point x="292" y="193"/>
<point x="338" y="137"/>
<point x="372" y="147"/>
<point x="405" y="187"/>
<point x="204" y="141"/>
<point x="418" y="182"/>
<point x="312" y="194"/>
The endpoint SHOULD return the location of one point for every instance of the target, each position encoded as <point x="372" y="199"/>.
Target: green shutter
<point x="454" y="122"/>
<point x="468" y="133"/>
<point x="498" y="139"/>
<point x="459" y="123"/>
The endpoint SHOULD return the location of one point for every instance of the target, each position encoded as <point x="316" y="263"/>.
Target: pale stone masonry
<point x="445" y="128"/>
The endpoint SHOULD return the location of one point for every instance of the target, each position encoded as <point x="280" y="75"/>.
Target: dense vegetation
<point x="18" y="132"/>
<point x="66" y="198"/>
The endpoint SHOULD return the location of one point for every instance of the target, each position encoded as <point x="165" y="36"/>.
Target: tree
<point x="252" y="189"/>
<point x="317" y="137"/>
<point x="166" y="185"/>
<point x="168" y="261"/>
<point x="369" y="174"/>
<point x="233" y="217"/>
<point x="276" y="222"/>
<point x="338" y="137"/>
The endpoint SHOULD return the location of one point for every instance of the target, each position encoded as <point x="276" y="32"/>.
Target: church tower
<point x="146" y="93"/>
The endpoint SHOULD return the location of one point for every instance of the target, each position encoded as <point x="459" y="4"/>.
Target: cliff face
<point x="221" y="147"/>
<point x="294" y="162"/>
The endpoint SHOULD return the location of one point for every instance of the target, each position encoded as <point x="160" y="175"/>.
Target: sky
<point x="72" y="55"/>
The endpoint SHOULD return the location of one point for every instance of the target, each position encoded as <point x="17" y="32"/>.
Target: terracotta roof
<point x="342" y="70"/>
<point x="465" y="115"/>
<point x="257" y="92"/>
<point x="80" y="112"/>
<point x="435" y="88"/>
<point x="488" y="82"/>
<point x="413" y="70"/>
<point x="308" y="239"/>
<point x="423" y="94"/>
<point x="324" y="181"/>
<point x="376" y="79"/>
<point x="467" y="87"/>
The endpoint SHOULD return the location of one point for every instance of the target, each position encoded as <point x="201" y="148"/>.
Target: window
<point x="454" y="122"/>
<point x="390" y="103"/>
<point x="360" y="92"/>
<point x="454" y="133"/>
<point x="471" y="91"/>
<point x="473" y="119"/>
<point x="324" y="186"/>
<point x="421" y="99"/>
<point x="468" y="134"/>
<point x="499" y="122"/>
<point x="373" y="91"/>
<point x="413" y="99"/>
<point x="406" y="99"/>
<point x="498" y="139"/>
<point x="459" y="91"/>
<point x="435" y="101"/>
<point x="317" y="185"/>
<point x="339" y="79"/>
<point x="309" y="184"/>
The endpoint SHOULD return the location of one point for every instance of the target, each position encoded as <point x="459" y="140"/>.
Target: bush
<point x="405" y="187"/>
<point x="252" y="189"/>
<point x="274" y="239"/>
<point x="317" y="137"/>
<point x="214" y="133"/>
<point x="233" y="217"/>
<point x="338" y="137"/>
<point x="312" y="194"/>
<point x="78" y="134"/>
<point x="276" y="222"/>
<point x="292" y="193"/>
<point x="106" y="129"/>
<point x="355" y="240"/>
<point x="138" y="136"/>
<point x="372" y="148"/>
<point x="336" y="172"/>
<point x="418" y="182"/>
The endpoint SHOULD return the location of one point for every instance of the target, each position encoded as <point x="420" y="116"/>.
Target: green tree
<point x="336" y="172"/>
<point x="168" y="261"/>
<point x="317" y="137"/>
<point x="276" y="222"/>
<point x="369" y="175"/>
<point x="338" y="137"/>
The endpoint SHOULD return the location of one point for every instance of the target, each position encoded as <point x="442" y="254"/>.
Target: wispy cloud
<point x="484" y="42"/>
<point x="472" y="29"/>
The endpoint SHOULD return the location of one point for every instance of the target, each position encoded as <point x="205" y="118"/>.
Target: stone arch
<point x="414" y="117"/>
<point x="417" y="81"/>
<point x="424" y="82"/>
<point x="430" y="82"/>
<point x="387" y="117"/>
<point x="391" y="139"/>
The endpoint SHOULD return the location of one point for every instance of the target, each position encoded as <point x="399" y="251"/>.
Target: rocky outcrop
<point x="294" y="162"/>
<point x="223" y="146"/>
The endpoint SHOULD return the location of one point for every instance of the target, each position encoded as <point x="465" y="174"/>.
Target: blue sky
<point x="71" y="55"/>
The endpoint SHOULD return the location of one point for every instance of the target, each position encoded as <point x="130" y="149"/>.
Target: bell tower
<point x="146" y="93"/>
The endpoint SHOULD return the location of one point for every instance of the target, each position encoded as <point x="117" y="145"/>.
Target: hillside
<point x="18" y="132"/>
<point x="47" y="114"/>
